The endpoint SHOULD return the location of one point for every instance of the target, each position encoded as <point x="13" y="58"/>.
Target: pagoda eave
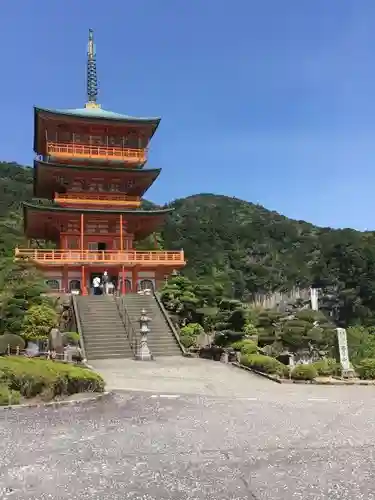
<point x="90" y="116"/>
<point x="45" y="173"/>
<point x="44" y="222"/>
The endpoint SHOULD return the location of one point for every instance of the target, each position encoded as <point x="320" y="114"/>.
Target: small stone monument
<point x="347" y="370"/>
<point x="224" y="358"/>
<point x="56" y="340"/>
<point x="143" y="352"/>
<point x="314" y="299"/>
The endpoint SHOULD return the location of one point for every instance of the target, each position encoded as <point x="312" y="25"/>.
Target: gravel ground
<point x="273" y="442"/>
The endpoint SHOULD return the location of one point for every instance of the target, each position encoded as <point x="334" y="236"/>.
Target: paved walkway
<point x="179" y="375"/>
<point x="193" y="376"/>
<point x="191" y="429"/>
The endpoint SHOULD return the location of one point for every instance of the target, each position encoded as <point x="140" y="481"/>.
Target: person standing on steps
<point x="96" y="285"/>
<point x="105" y="281"/>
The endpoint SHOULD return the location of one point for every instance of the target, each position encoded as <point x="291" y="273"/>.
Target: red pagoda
<point x="90" y="164"/>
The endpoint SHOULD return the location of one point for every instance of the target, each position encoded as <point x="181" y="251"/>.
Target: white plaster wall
<point x="52" y="273"/>
<point x="146" y="274"/>
<point x="74" y="275"/>
<point x="141" y="274"/>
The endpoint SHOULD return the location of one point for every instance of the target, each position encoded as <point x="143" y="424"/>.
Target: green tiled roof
<point x="142" y="172"/>
<point x="98" y="113"/>
<point x="134" y="211"/>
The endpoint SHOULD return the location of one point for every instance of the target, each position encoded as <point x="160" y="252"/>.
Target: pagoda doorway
<point x="146" y="285"/>
<point x="128" y="285"/>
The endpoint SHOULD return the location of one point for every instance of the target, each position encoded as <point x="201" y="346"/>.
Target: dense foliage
<point x="235" y="251"/>
<point x="28" y="378"/>
<point x="241" y="248"/>
<point x="22" y="290"/>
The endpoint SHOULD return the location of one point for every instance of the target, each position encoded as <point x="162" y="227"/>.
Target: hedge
<point x="48" y="379"/>
<point x="11" y="340"/>
<point x="265" y="364"/>
<point x="326" y="367"/>
<point x="8" y="397"/>
<point x="245" y="346"/>
<point x="366" y="369"/>
<point x="304" y="372"/>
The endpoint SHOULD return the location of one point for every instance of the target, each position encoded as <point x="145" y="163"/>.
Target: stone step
<point x="103" y="328"/>
<point x="166" y="345"/>
<point x="161" y="340"/>
<point x="104" y="331"/>
<point x="94" y="344"/>
<point x="108" y="341"/>
<point x="110" y="356"/>
<point x="94" y="350"/>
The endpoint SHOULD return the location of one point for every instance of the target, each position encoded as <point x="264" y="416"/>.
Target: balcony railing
<point x="104" y="153"/>
<point x="98" y="199"/>
<point x="79" y="257"/>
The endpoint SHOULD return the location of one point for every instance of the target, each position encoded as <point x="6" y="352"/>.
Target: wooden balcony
<point x="92" y="257"/>
<point x="109" y="199"/>
<point x="66" y="151"/>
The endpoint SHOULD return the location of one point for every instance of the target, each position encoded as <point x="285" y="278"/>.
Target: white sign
<point x="343" y="348"/>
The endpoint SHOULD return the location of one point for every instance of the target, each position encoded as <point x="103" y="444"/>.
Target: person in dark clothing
<point x="105" y="281"/>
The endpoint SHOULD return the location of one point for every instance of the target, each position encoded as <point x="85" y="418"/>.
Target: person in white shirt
<point x="96" y="285"/>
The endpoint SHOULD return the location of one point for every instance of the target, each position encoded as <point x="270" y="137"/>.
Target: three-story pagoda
<point x="90" y="164"/>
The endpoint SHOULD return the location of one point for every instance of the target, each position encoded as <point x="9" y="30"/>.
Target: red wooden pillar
<point x="65" y="282"/>
<point x="82" y="235"/>
<point x="135" y="280"/>
<point x="83" y="281"/>
<point x="159" y="277"/>
<point x="121" y="234"/>
<point x="123" y="287"/>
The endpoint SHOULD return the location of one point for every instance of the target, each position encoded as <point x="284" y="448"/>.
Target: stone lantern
<point x="143" y="352"/>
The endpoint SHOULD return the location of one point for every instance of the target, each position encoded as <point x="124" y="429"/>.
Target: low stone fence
<point x="68" y="356"/>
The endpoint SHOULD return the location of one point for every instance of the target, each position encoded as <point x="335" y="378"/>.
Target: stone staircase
<point x="161" y="340"/>
<point x="102" y="328"/>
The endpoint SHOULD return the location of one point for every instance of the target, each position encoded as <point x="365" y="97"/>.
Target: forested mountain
<point x="245" y="247"/>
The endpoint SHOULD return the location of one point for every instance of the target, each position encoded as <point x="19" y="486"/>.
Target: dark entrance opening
<point x="102" y="246"/>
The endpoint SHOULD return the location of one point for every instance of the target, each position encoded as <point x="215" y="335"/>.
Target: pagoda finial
<point x="92" y="80"/>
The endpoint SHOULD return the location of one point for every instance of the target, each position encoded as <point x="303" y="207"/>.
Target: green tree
<point x="38" y="322"/>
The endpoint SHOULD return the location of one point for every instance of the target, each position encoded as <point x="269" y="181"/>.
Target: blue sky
<point x="270" y="101"/>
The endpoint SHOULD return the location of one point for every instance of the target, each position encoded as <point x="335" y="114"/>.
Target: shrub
<point x="211" y="352"/>
<point x="11" y="340"/>
<point x="246" y="346"/>
<point x="188" y="340"/>
<point x="264" y="364"/>
<point x="326" y="367"/>
<point x="250" y="329"/>
<point x="304" y="372"/>
<point x="32" y="377"/>
<point x="366" y="369"/>
<point x="227" y="337"/>
<point x="71" y="338"/>
<point x="8" y="397"/>
<point x="38" y="322"/>
<point x="192" y="329"/>
<point x="190" y="333"/>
